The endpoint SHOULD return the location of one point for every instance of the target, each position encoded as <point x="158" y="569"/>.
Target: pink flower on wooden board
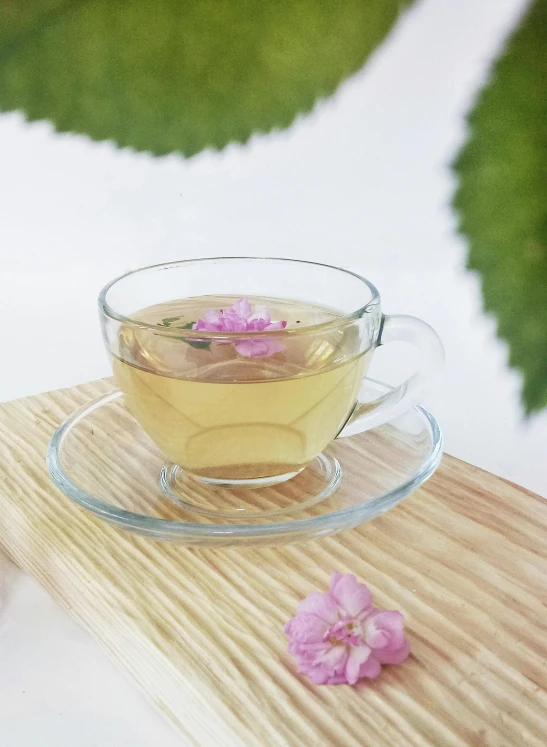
<point x="340" y="637"/>
<point x="240" y="318"/>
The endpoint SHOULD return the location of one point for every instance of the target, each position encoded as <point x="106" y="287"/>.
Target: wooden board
<point x="200" y="632"/>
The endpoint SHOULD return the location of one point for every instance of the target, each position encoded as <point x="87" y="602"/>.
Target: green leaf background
<point x="181" y="75"/>
<point x="501" y="200"/>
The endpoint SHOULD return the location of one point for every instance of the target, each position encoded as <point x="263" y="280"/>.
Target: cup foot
<point x="243" y="498"/>
<point x="250" y="483"/>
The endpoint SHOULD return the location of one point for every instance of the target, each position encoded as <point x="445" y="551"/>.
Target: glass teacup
<point x="243" y="370"/>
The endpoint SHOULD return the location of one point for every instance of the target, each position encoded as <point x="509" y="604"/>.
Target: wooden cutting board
<point x="201" y="632"/>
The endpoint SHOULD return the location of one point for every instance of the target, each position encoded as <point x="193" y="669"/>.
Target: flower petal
<point x="233" y="322"/>
<point x="321" y="605"/>
<point x="261" y="312"/>
<point x="317" y="675"/>
<point x="274" y="346"/>
<point x="275" y="325"/>
<point x="354" y="598"/>
<point x="357" y="656"/>
<point x="384" y="630"/>
<point x="310" y="650"/>
<point x="377" y="638"/>
<point x="242" y="308"/>
<point x="203" y="325"/>
<point x="338" y="679"/>
<point x="334" y="578"/>
<point x="293" y="646"/>
<point x="370" y="669"/>
<point x="259" y="348"/>
<point x="385" y="656"/>
<point x="307" y="628"/>
<point x="257" y="324"/>
<point x="333" y="658"/>
<point x="213" y="317"/>
<point x="252" y="348"/>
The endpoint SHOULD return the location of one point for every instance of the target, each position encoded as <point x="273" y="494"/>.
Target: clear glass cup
<point x="243" y="370"/>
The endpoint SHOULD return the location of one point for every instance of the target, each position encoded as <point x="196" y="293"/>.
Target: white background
<point x="364" y="182"/>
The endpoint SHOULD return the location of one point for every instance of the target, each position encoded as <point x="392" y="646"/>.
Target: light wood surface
<point x="200" y="632"/>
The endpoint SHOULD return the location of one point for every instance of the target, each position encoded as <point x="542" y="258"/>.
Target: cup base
<point x="249" y="483"/>
<point x="238" y="498"/>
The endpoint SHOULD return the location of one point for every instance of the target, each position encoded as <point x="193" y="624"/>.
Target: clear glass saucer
<point x="102" y="459"/>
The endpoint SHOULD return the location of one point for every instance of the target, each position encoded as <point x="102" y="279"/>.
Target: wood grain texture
<point x="201" y="631"/>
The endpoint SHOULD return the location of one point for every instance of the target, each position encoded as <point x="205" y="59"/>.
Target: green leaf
<point x="174" y="75"/>
<point x="198" y="344"/>
<point x="501" y="200"/>
<point x="169" y="320"/>
<point x="22" y="17"/>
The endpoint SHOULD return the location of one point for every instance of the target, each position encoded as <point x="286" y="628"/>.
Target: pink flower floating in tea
<point x="340" y="637"/>
<point x="240" y="318"/>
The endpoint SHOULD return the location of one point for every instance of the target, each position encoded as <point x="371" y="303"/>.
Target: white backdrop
<point x="363" y="182"/>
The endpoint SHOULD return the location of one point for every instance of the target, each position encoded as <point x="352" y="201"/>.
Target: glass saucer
<point x="102" y="459"/>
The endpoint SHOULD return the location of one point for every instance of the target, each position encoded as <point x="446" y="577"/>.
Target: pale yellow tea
<point x="227" y="416"/>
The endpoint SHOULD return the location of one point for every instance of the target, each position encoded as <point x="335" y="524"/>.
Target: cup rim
<point x="345" y="319"/>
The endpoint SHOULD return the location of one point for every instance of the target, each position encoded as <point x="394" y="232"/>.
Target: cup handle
<point x="400" y="328"/>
